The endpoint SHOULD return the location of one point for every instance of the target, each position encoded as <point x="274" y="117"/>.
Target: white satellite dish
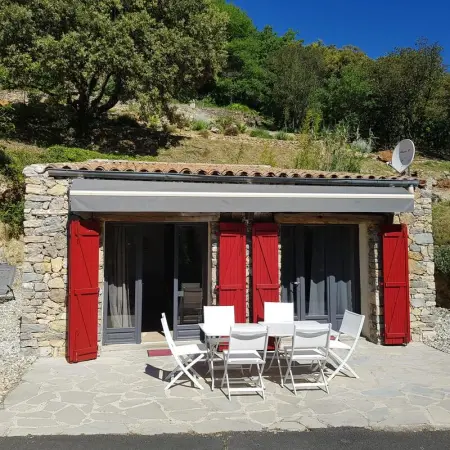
<point x="403" y="155"/>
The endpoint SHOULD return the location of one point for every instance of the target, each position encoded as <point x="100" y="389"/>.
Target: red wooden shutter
<point x="84" y="240"/>
<point x="232" y="275"/>
<point x="265" y="269"/>
<point x="396" y="285"/>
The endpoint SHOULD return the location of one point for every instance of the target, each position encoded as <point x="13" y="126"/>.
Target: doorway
<point x="150" y="269"/>
<point x="320" y="271"/>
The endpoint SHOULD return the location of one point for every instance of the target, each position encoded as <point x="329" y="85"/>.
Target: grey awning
<point x="97" y="195"/>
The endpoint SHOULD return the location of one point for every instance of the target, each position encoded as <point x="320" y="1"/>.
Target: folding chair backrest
<point x="278" y="312"/>
<point x="317" y="337"/>
<point x="352" y="324"/>
<point x="193" y="297"/>
<point x="223" y="315"/>
<point x="167" y="333"/>
<point x="248" y="340"/>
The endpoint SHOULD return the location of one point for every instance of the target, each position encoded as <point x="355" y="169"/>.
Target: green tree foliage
<point x="297" y="75"/>
<point x="406" y="84"/>
<point x="93" y="54"/>
<point x="244" y="78"/>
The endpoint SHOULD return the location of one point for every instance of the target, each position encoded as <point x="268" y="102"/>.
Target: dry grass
<point x="12" y="249"/>
<point x="243" y="149"/>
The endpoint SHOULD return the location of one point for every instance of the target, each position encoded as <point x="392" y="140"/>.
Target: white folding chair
<point x="351" y="326"/>
<point x="186" y="356"/>
<point x="277" y="312"/>
<point x="217" y="317"/>
<point x="245" y="344"/>
<point x="308" y="346"/>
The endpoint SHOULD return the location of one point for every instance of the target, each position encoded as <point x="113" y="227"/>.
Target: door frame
<point x="133" y="335"/>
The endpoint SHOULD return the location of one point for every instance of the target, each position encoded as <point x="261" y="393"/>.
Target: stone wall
<point x="43" y="328"/>
<point x="421" y="262"/>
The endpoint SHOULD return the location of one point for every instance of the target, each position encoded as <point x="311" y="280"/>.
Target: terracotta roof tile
<point x="212" y="169"/>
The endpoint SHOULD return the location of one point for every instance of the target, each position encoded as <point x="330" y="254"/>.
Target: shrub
<point x="7" y="126"/>
<point x="199" y="125"/>
<point x="230" y="126"/>
<point x="283" y="136"/>
<point x="260" y="133"/>
<point x="242" y="108"/>
<point x="441" y="221"/>
<point x="328" y="152"/>
<point x="268" y="157"/>
<point x="442" y="259"/>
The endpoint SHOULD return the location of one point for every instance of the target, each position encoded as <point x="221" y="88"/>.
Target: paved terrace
<point x="121" y="393"/>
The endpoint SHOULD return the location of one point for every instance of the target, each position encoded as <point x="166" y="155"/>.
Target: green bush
<point x="441" y="221"/>
<point x="328" y="152"/>
<point x="260" y="133"/>
<point x="230" y="126"/>
<point x="199" y="125"/>
<point x="442" y="259"/>
<point x="242" y="108"/>
<point x="7" y="126"/>
<point x="283" y="136"/>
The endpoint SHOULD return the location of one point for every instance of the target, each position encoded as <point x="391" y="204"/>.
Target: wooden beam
<point x="157" y="217"/>
<point x="329" y="218"/>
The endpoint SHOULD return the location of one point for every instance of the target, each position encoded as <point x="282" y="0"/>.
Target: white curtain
<point x="118" y="288"/>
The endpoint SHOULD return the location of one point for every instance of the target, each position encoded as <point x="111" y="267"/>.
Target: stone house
<point x="109" y="245"/>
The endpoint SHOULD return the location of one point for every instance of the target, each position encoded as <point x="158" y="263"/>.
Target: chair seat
<point x="305" y="354"/>
<point x="190" y="349"/>
<point x="339" y="345"/>
<point x="244" y="357"/>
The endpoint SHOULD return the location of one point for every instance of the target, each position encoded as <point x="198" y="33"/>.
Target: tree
<point x="93" y="54"/>
<point x="348" y="95"/>
<point x="297" y="75"/>
<point x="406" y="84"/>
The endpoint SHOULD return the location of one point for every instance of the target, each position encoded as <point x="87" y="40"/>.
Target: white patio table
<point x="212" y="343"/>
<point x="279" y="330"/>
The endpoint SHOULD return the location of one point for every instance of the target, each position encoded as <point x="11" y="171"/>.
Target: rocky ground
<point x="441" y="338"/>
<point x="12" y="369"/>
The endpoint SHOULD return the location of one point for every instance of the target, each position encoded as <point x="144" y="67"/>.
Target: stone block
<point x="57" y="190"/>
<point x="33" y="328"/>
<point x="42" y="268"/>
<point x="57" y="264"/>
<point x="418" y="302"/>
<point x="30" y="276"/>
<point x="40" y="287"/>
<point x="423" y="238"/>
<point x="56" y="283"/>
<point x="29" y="343"/>
<point x="57" y="295"/>
<point x="28" y="287"/>
<point x="32" y="223"/>
<point x="37" y="189"/>
<point x="58" y="325"/>
<point x="416" y="256"/>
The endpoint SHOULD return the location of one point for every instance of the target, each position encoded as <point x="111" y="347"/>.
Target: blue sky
<point x="374" y="26"/>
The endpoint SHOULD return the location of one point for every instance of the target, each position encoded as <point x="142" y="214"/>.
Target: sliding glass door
<point x="122" y="284"/>
<point x="320" y="271"/>
<point x="150" y="269"/>
<point x="190" y="279"/>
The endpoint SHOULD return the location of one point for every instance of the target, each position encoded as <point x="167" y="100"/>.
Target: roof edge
<point x="235" y="179"/>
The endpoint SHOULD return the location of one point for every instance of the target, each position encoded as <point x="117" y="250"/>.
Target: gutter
<point x="232" y="179"/>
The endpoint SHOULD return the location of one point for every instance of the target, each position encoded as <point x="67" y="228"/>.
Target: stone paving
<point x="121" y="392"/>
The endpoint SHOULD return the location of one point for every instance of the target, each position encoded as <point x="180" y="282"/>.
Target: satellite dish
<point x="403" y="155"/>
